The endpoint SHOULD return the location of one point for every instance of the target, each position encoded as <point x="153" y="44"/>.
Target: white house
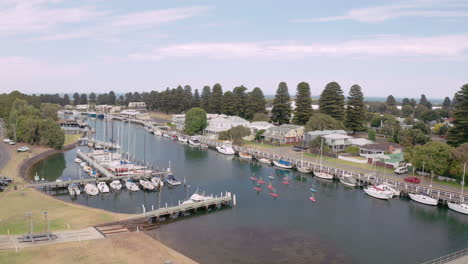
<point x="223" y="123"/>
<point x="137" y="105"/>
<point x="259" y="125"/>
<point x="82" y="107"/>
<point x="380" y="149"/>
<point x="311" y="135"/>
<point x="284" y="134"/>
<point x="337" y="142"/>
<point x="179" y="121"/>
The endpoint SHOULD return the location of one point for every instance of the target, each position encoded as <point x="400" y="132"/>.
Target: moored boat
<point x="265" y="161"/>
<point x="226" y="149"/>
<point x="182" y="139"/>
<point x="157" y="132"/>
<point x="73" y="189"/>
<point x="172" y="180"/>
<point x="87" y="169"/>
<point x="129" y="184"/>
<point x="116" y="185"/>
<point x="323" y="175"/>
<point x="102" y="186"/>
<point x="245" y="155"/>
<point x="147" y="185"/>
<point x="203" y="145"/>
<point x="423" y="198"/>
<point x="157" y="182"/>
<point x="194" y="142"/>
<point x="303" y="169"/>
<point x="348" y="180"/>
<point x="91" y="189"/>
<point x="283" y="164"/>
<point x="460" y="207"/>
<point x="378" y="193"/>
<point x="77" y="160"/>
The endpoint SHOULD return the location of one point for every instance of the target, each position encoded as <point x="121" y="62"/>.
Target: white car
<point x="7" y="140"/>
<point x="12" y="142"/>
<point x="23" y="149"/>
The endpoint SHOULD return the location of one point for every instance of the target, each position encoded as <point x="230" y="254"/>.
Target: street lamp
<point x="29" y="214"/>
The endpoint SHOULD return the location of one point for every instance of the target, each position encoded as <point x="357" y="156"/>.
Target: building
<point x="82" y="107"/>
<point x="103" y="108"/>
<point x="360" y="141"/>
<point x="129" y="113"/>
<point x="337" y="142"/>
<point x="259" y="125"/>
<point x="380" y="149"/>
<point x="223" y="123"/>
<point x="179" y="121"/>
<point x="311" y="135"/>
<point x="137" y="105"/>
<point x="284" y="134"/>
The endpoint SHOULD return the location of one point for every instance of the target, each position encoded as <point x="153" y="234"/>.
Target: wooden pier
<point x="181" y="209"/>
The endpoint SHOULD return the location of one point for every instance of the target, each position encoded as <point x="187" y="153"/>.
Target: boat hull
<point x="423" y="199"/>
<point x="461" y="208"/>
<point x="323" y="175"/>
<point x="378" y="194"/>
<point x="348" y="181"/>
<point x="303" y="170"/>
<point x="283" y="166"/>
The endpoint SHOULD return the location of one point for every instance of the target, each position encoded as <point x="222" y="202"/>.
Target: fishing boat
<point x="283" y="164"/>
<point x="116" y="185"/>
<point x="182" y="139"/>
<point x="194" y="142"/>
<point x="261" y="181"/>
<point x="226" y="149"/>
<point x="147" y="185"/>
<point x="73" y="189"/>
<point x="460" y="207"/>
<point x="265" y="161"/>
<point x="91" y="189"/>
<point x="171" y="180"/>
<point x="129" y="184"/>
<point x="378" y="193"/>
<point x="102" y="186"/>
<point x="423" y="198"/>
<point x="348" y="180"/>
<point x="274" y="194"/>
<point x="245" y="155"/>
<point x="157" y="182"/>
<point x="77" y="160"/>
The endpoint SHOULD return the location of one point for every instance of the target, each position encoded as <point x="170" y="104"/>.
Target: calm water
<point x="343" y="226"/>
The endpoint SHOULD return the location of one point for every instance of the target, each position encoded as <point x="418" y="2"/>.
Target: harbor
<point x="262" y="217"/>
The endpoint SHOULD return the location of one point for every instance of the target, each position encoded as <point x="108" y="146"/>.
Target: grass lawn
<point x="161" y="115"/>
<point x="71" y="138"/>
<point x="251" y="144"/>
<point x="15" y="204"/>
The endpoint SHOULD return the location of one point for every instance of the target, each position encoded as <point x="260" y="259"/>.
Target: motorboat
<point x="149" y="129"/>
<point x="459" y="207"/>
<point x="129" y="184"/>
<point x="423" y="198"/>
<point x="157" y="132"/>
<point x="203" y="145"/>
<point x="94" y="174"/>
<point x="265" y="161"/>
<point x="77" y="160"/>
<point x="245" y="155"/>
<point x="226" y="149"/>
<point x="171" y="180"/>
<point x="166" y="135"/>
<point x="102" y="186"/>
<point x="147" y="185"/>
<point x="303" y="169"/>
<point x="182" y="139"/>
<point x="174" y="137"/>
<point x="348" y="180"/>
<point x="283" y="164"/>
<point x="83" y="164"/>
<point x="378" y="193"/>
<point x="116" y="185"/>
<point x="157" y="182"/>
<point x="323" y="175"/>
<point x="87" y="169"/>
<point x="196" y="197"/>
<point x="91" y="189"/>
<point x="73" y="189"/>
<point x="194" y="142"/>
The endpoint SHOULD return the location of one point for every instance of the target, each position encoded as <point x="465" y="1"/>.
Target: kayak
<point x="286" y="182"/>
<point x="271" y="177"/>
<point x="261" y="182"/>
<point x="258" y="189"/>
<point x="253" y="179"/>
<point x="274" y="194"/>
<point x="271" y="187"/>
<point x="312" y="199"/>
<point x="312" y="189"/>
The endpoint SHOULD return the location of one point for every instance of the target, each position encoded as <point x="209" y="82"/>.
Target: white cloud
<point x="415" y="8"/>
<point x="448" y="46"/>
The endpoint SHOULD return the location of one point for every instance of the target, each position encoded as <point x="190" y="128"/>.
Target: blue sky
<point x="403" y="48"/>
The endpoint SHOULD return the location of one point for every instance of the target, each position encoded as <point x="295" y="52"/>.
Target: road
<point x="4" y="153"/>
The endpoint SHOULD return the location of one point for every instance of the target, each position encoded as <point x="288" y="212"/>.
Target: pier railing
<point x="94" y="164"/>
<point x="450" y="257"/>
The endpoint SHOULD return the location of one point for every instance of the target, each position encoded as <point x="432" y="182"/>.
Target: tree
<point x="355" y="110"/>
<point x="405" y="101"/>
<point x="240" y="100"/>
<point x="66" y="99"/>
<point x="92" y="98"/>
<point x="50" y="111"/>
<point x="260" y="117"/>
<point x="421" y="126"/>
<point x="229" y="106"/>
<point x="391" y="101"/>
<point x="318" y="142"/>
<point x="112" y="98"/>
<point x="216" y="100"/>
<point x="439" y="129"/>
<point x="51" y="134"/>
<point x="390" y="128"/>
<point x="458" y="134"/>
<point x="447" y="104"/>
<point x="258" y="135"/>
<point x="320" y="121"/>
<point x="281" y="112"/>
<point x="205" y="99"/>
<point x="429" y="115"/>
<point x="83" y="99"/>
<point x="235" y="134"/>
<point x="255" y="103"/>
<point x="303" y="110"/>
<point x="187" y="99"/>
<point x="413" y="102"/>
<point x="195" y="121"/>
<point x="410" y="137"/>
<point x="331" y="101"/>
<point x="406" y="110"/>
<point x="352" y="150"/>
<point x="371" y="135"/>
<point x="423" y="100"/>
<point x="76" y="99"/>
<point x="419" y="110"/>
<point x="196" y="99"/>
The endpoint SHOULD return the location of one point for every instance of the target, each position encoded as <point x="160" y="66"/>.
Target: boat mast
<point x="463" y="182"/>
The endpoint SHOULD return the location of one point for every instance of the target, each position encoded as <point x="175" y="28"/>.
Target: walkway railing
<point x="449" y="257"/>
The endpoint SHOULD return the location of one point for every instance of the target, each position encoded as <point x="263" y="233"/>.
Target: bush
<point x="259" y="134"/>
<point x="352" y="150"/>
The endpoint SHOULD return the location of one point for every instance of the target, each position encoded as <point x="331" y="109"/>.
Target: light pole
<point x="29" y="214"/>
<point x="47" y="223"/>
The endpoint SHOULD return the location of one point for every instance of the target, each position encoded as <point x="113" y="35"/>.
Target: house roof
<point x="360" y="141"/>
<point x="384" y="146"/>
<point x="336" y="136"/>
<point x="326" y="132"/>
<point x="279" y="131"/>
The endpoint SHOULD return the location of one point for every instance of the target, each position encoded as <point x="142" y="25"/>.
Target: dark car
<point x="299" y="148"/>
<point x="1" y="189"/>
<point x="412" y="180"/>
<point x="4" y="183"/>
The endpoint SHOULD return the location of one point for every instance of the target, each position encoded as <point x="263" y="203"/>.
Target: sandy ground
<point x="120" y="248"/>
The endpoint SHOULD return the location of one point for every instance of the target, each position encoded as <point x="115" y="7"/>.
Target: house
<point x="103" y="108"/>
<point x="129" y="113"/>
<point x="284" y="134"/>
<point x="311" y="135"/>
<point x="380" y="149"/>
<point x="179" y="121"/>
<point x="223" y="123"/>
<point x="337" y="142"/>
<point x="259" y="125"/>
<point x="360" y="141"/>
<point x="137" y="105"/>
<point x="82" y="107"/>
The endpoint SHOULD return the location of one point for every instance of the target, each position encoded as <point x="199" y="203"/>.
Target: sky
<point x="403" y="48"/>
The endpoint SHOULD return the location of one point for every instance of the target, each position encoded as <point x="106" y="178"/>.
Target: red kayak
<point x="261" y="182"/>
<point x="258" y="189"/>
<point x="312" y="199"/>
<point x="253" y="178"/>
<point x="274" y="194"/>
<point x="286" y="182"/>
<point x="271" y="187"/>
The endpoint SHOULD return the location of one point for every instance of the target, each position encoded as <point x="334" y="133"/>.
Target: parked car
<point x="23" y="149"/>
<point x="299" y="148"/>
<point x="12" y="142"/>
<point x="4" y="183"/>
<point x="5" y="178"/>
<point x="7" y="140"/>
<point x="412" y="180"/>
<point x="401" y="170"/>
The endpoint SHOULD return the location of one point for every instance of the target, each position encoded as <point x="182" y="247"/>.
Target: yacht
<point x="245" y="155"/>
<point x="129" y="184"/>
<point x="460" y="207"/>
<point x="102" y="186"/>
<point x="157" y="132"/>
<point x="77" y="160"/>
<point x="171" y="180"/>
<point x="348" y="180"/>
<point x="91" y="189"/>
<point x="194" y="142"/>
<point x="116" y="185"/>
<point x="196" y="197"/>
<point x="423" y="198"/>
<point x="226" y="149"/>
<point x="283" y="164"/>
<point x="73" y="189"/>
<point x="265" y="161"/>
<point x="378" y="193"/>
<point x="147" y="185"/>
<point x="303" y="169"/>
<point x="156" y="181"/>
<point x="323" y="175"/>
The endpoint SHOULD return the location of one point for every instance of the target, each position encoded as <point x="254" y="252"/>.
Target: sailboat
<point x="301" y="168"/>
<point x="348" y="180"/>
<point x="91" y="189"/>
<point x="265" y="161"/>
<point x="156" y="181"/>
<point x="283" y="164"/>
<point x="460" y="207"/>
<point x="102" y="186"/>
<point x="73" y="189"/>
<point x="129" y="184"/>
<point x="116" y="185"/>
<point x="321" y="173"/>
<point x="423" y="198"/>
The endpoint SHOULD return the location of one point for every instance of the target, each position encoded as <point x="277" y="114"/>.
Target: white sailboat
<point x="116" y="185"/>
<point x="378" y="193"/>
<point x="265" y="161"/>
<point x="423" y="198"/>
<point x="182" y="139"/>
<point x="348" y="180"/>
<point x="129" y="184"/>
<point x="302" y="168"/>
<point x="245" y="155"/>
<point x="226" y="149"/>
<point x="147" y="185"/>
<point x="283" y="164"/>
<point x="171" y="180"/>
<point x="102" y="186"/>
<point x="194" y="142"/>
<point x="460" y="207"/>
<point x="73" y="189"/>
<point x="156" y="181"/>
<point x="91" y="189"/>
<point x="322" y="174"/>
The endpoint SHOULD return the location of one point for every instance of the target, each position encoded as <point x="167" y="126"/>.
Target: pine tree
<point x="331" y="101"/>
<point x="355" y="110"/>
<point x="423" y="100"/>
<point x="112" y="98"/>
<point x="92" y="98"/>
<point x="391" y="101"/>
<point x="76" y="99"/>
<point x="256" y="103"/>
<point x="187" y="98"/>
<point x="216" y="100"/>
<point x="66" y="99"/>
<point x="196" y="99"/>
<point x="447" y="103"/>
<point x="281" y="112"/>
<point x="303" y="110"/>
<point x="458" y="134"/>
<point x="413" y="102"/>
<point x="205" y="99"/>
<point x="229" y="106"/>
<point x="405" y="101"/>
<point x="240" y="100"/>
<point x="84" y="99"/>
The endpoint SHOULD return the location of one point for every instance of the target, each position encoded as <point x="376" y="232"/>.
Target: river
<point x="343" y="226"/>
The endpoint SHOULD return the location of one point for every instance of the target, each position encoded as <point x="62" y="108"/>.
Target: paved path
<point x="4" y="153"/>
<point x="90" y="233"/>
